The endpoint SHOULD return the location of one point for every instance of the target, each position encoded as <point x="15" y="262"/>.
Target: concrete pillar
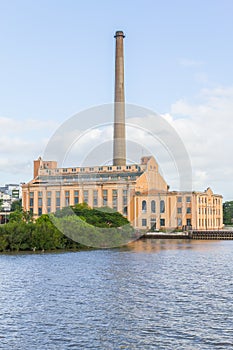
<point x="119" y="149"/>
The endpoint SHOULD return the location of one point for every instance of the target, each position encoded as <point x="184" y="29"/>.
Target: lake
<point x="153" y="294"/>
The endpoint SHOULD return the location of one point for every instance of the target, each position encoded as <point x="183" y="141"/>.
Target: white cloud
<point x="207" y="129"/>
<point x="20" y="143"/>
<point x="9" y="125"/>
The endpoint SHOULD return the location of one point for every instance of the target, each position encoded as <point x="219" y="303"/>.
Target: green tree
<point x="16" y="205"/>
<point x="99" y="217"/>
<point x="16" y="216"/>
<point x="228" y="213"/>
<point x="20" y="215"/>
<point x="18" y="235"/>
<point x="102" y="227"/>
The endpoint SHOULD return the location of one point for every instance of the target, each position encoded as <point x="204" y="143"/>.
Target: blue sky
<point x="57" y="58"/>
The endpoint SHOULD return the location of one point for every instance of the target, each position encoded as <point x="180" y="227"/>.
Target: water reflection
<point x="157" y="245"/>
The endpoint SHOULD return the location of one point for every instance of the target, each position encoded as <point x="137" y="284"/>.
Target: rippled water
<point x="151" y="295"/>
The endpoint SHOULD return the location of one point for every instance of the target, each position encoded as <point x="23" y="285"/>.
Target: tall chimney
<point x="119" y="149"/>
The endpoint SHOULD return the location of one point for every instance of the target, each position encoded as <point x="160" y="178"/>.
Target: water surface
<point x="154" y="294"/>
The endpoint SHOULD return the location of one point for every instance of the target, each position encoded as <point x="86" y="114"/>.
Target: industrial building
<point x="138" y="191"/>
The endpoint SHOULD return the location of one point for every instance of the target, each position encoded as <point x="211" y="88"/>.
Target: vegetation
<point x="70" y="228"/>
<point x="102" y="227"/>
<point x="21" y="234"/>
<point x="16" y="205"/>
<point x="228" y="213"/>
<point x="104" y="217"/>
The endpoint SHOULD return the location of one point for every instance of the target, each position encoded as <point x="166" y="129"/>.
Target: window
<point x="188" y="199"/>
<point x="144" y="222"/>
<point x="76" y="197"/>
<point x="153" y="207"/>
<point x="162" y="222"/>
<point x="105" y="197"/>
<point x="85" y="196"/>
<point x="58" y="200"/>
<point x="188" y="211"/>
<point x="49" y="202"/>
<point x="31" y="200"/>
<point x="114" y="199"/>
<point x="40" y="202"/>
<point x="95" y="198"/>
<point x="67" y="198"/>
<point x="179" y="210"/>
<point x="162" y="206"/>
<point x="188" y="222"/>
<point x="179" y="222"/>
<point x="125" y="197"/>
<point x="179" y="199"/>
<point x="144" y="206"/>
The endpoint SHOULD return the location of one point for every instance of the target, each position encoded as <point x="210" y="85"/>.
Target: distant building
<point x="14" y="190"/>
<point x="9" y="193"/>
<point x="138" y="191"/>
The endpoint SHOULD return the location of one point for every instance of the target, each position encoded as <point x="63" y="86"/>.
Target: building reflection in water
<point x="157" y="245"/>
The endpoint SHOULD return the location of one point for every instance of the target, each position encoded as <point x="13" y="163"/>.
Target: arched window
<point x="144" y="206"/>
<point x="162" y="206"/>
<point x="153" y="207"/>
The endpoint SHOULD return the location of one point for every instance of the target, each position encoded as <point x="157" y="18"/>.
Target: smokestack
<point x="119" y="149"/>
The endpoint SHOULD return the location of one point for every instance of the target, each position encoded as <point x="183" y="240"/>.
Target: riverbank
<point x="74" y="228"/>
<point x="197" y="235"/>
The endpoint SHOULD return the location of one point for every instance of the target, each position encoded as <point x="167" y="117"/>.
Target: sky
<point x="57" y="59"/>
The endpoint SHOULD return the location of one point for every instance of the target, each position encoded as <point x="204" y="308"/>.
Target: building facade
<point x="138" y="191"/>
